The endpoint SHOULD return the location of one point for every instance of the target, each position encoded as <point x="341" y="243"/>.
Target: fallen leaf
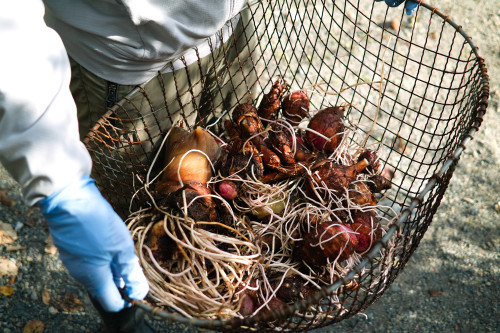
<point x="4" y="199"/>
<point x="68" y="303"/>
<point x="30" y="222"/>
<point x="45" y="296"/>
<point x="50" y="248"/>
<point x="34" y="326"/>
<point x="435" y="292"/>
<point x="6" y="290"/>
<point x="7" y="233"/>
<point x="11" y="280"/>
<point x="7" y="267"/>
<point x="401" y="145"/>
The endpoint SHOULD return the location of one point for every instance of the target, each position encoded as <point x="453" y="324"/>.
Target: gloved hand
<point x="410" y="6"/>
<point x="94" y="244"/>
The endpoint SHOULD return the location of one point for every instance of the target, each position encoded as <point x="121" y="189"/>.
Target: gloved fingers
<point x="99" y="282"/>
<point x="117" y="278"/>
<point x="109" y="296"/>
<point x="136" y="284"/>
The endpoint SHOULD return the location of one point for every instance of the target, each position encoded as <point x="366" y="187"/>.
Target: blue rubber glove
<point x="410" y="6"/>
<point x="94" y="244"/>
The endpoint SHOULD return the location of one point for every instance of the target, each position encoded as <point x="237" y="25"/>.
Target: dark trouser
<point x="195" y="95"/>
<point x="128" y="320"/>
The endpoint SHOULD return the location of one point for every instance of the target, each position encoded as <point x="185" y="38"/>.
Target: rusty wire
<point x="432" y="102"/>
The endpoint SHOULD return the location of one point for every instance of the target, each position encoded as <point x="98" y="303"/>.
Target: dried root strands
<point x="270" y="104"/>
<point x="261" y="200"/>
<point x="329" y="124"/>
<point x="203" y="281"/>
<point x="270" y="243"/>
<point x="292" y="209"/>
<point x="328" y="242"/>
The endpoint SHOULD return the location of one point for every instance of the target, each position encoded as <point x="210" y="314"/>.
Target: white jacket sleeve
<point x="39" y="141"/>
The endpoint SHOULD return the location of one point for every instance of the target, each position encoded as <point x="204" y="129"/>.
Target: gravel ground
<point x="450" y="283"/>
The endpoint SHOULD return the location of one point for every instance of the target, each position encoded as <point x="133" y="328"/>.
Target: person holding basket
<point x="61" y="74"/>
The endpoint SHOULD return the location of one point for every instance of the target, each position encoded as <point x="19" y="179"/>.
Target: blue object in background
<point x="410" y="6"/>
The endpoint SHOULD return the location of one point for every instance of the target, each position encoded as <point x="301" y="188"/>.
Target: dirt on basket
<point x="449" y="285"/>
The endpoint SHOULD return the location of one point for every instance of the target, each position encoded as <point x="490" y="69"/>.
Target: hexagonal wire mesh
<point x="432" y="97"/>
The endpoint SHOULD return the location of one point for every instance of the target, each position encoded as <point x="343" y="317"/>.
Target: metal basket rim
<point x="403" y="216"/>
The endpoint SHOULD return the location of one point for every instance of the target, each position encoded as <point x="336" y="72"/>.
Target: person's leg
<point x="124" y="147"/>
<point x="232" y="75"/>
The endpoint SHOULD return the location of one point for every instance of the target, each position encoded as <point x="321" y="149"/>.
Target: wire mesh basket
<point x="414" y="85"/>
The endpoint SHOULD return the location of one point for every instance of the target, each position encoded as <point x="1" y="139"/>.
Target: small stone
<point x="435" y="292"/>
<point x="474" y="210"/>
<point x="394" y="24"/>
<point x="18" y="226"/>
<point x="45" y="296"/>
<point x="395" y="288"/>
<point x="52" y="310"/>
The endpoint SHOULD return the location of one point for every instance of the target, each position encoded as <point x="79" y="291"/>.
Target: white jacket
<point x="125" y="41"/>
<point x="128" y="41"/>
<point x="39" y="141"/>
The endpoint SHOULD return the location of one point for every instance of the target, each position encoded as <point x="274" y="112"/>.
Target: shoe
<point x="128" y="320"/>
